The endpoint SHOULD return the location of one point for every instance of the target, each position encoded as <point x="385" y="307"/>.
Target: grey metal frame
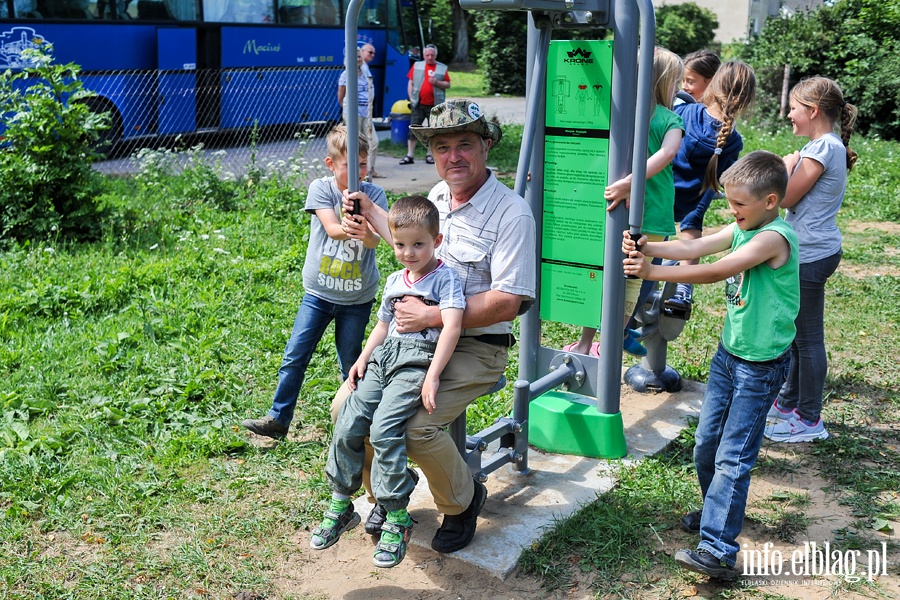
<point x="628" y="144"/>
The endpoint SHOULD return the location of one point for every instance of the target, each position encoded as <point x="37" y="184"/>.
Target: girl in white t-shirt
<point x="814" y="195"/>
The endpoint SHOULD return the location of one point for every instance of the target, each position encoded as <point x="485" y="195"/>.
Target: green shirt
<point x="659" y="197"/>
<point x="762" y="302"/>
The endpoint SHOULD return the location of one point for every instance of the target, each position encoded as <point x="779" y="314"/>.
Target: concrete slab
<point x="520" y="509"/>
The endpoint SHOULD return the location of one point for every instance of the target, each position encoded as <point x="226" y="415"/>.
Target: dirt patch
<point x="882" y="226"/>
<point x="345" y="571"/>
<point x="866" y="271"/>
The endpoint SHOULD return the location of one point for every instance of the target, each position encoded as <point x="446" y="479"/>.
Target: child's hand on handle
<point x="355" y="227"/>
<point x="355" y="202"/>
<point x="429" y="393"/>
<point x="634" y="262"/>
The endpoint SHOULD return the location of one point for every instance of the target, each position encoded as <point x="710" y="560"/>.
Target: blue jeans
<point x="729" y="434"/>
<point x="314" y="315"/>
<point x="805" y="384"/>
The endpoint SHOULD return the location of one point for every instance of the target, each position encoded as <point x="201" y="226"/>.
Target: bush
<point x="854" y="42"/>
<point x="46" y="180"/>
<point x="684" y="28"/>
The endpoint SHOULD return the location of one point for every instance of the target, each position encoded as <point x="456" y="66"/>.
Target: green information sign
<point x="576" y="153"/>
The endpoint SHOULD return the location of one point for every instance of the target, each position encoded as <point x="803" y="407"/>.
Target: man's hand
<point x="429" y="393"/>
<point x="412" y="314"/>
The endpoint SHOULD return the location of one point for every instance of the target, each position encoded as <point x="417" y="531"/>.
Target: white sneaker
<point x="795" y="430"/>
<point x="776" y="415"/>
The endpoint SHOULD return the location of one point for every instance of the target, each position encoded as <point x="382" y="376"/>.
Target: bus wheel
<point x="107" y="139"/>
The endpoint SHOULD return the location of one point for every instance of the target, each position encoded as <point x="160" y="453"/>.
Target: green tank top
<point x="762" y="302"/>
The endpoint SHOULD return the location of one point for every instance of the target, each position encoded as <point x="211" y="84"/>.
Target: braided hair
<point x="732" y="90"/>
<point x="826" y="95"/>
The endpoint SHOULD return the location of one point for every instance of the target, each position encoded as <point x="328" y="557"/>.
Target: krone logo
<point x="579" y="56"/>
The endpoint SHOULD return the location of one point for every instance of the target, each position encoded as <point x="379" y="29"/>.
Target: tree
<point x="460" y="33"/>
<point x="854" y="42"/>
<point x="503" y="50"/>
<point x="683" y="28"/>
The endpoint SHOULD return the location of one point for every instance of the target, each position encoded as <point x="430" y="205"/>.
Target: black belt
<point x="495" y="339"/>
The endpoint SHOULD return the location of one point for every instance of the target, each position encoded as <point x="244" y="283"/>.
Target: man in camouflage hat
<point x="489" y="238"/>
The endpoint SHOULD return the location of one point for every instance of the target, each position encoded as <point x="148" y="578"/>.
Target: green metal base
<point x="558" y="424"/>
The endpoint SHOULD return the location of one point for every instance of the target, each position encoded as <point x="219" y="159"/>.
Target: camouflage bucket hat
<point x="457" y="116"/>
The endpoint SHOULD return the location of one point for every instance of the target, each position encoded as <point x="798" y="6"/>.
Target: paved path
<point x="417" y="178"/>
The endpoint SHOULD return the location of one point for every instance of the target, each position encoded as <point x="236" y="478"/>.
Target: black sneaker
<point x="691" y="522"/>
<point x="457" y="531"/>
<point x="376" y="517"/>
<point x="703" y="562"/>
<point x="266" y="426"/>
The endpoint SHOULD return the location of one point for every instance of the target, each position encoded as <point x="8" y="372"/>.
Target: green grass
<point x="127" y="365"/>
<point x="466" y="84"/>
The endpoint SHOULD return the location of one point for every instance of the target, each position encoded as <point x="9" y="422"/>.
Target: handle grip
<point x="635" y="237"/>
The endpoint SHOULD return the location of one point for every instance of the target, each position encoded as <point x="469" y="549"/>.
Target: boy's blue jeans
<point x="314" y="315"/>
<point x="729" y="434"/>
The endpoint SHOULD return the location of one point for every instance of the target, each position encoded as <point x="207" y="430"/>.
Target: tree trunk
<point x="460" y="33"/>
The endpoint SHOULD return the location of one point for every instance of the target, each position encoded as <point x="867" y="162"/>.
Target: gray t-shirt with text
<point x="339" y="271"/>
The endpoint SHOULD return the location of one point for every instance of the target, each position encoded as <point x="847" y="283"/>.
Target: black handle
<point x="635" y="237"/>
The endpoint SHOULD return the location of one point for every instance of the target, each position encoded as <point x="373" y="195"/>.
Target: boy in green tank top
<point x="762" y="296"/>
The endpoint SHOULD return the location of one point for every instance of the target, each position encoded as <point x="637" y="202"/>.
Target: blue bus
<point x="171" y="67"/>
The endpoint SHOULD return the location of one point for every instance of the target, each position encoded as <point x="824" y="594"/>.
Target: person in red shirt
<point x="428" y="80"/>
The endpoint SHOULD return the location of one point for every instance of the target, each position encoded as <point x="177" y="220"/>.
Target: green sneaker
<point x="339" y="517"/>
<point x="395" y="534"/>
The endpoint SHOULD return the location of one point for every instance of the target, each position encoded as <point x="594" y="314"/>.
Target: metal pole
<point x="531" y="156"/>
<point x="621" y="139"/>
<point x="642" y="117"/>
<point x="350" y="49"/>
<point x="627" y="142"/>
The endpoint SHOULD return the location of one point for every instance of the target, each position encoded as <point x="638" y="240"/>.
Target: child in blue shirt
<point x="711" y="145"/>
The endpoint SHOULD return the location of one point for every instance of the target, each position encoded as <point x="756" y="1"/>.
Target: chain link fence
<point x="270" y="117"/>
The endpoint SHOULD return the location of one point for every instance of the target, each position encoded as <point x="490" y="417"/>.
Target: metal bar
<point x="533" y="145"/>
<point x="642" y="116"/>
<point x="350" y="35"/>
<point x="621" y="140"/>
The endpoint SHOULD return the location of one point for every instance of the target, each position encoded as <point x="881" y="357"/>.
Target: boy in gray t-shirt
<point x="341" y="281"/>
<point x="400" y="369"/>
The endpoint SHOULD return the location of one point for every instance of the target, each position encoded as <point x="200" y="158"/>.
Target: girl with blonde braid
<point x="711" y="145"/>
<point x="814" y="195"/>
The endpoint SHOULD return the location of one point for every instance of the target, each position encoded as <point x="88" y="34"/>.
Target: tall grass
<point x="127" y="365"/>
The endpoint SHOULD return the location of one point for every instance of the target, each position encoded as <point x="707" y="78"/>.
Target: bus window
<point x="328" y="12"/>
<point x="67" y="9"/>
<point x="374" y="12"/>
<point x="25" y="9"/>
<point x="238" y="11"/>
<point x="296" y="12"/>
